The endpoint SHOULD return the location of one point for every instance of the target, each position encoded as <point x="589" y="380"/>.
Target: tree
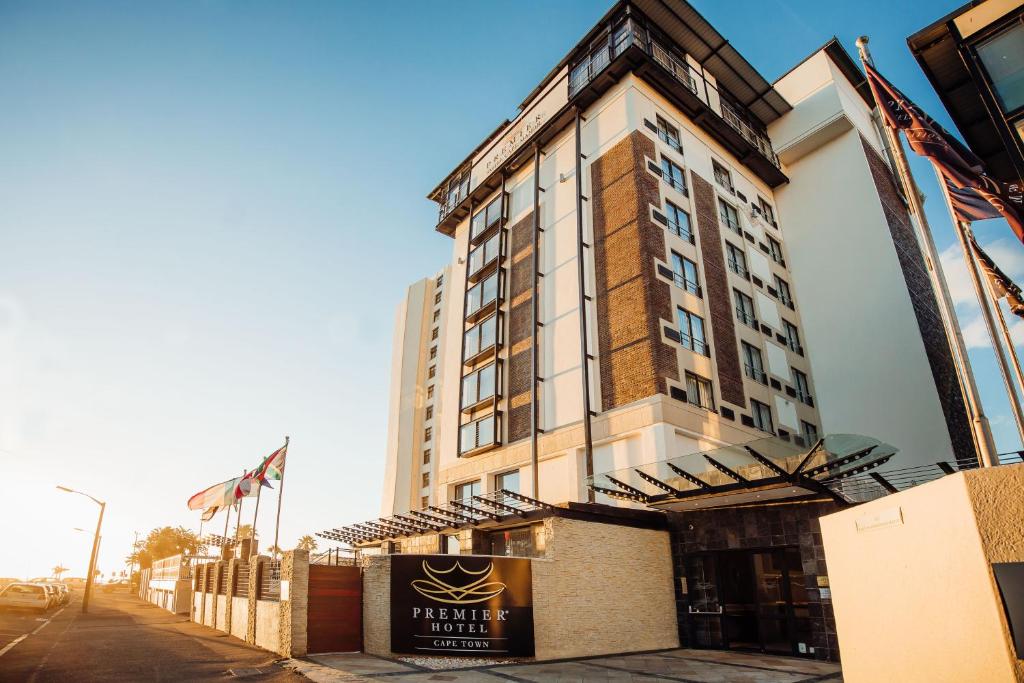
<point x="58" y="570"/>
<point x="246" y="531"/>
<point x="273" y="549"/>
<point x="307" y="542"/>
<point x="164" y="542"/>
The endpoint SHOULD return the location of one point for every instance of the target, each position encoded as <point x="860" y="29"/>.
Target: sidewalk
<point x="686" y="666"/>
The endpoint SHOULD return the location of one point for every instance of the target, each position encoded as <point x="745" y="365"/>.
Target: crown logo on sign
<point x="438" y="589"/>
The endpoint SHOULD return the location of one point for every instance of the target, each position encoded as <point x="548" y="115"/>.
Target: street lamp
<point x="95" y="546"/>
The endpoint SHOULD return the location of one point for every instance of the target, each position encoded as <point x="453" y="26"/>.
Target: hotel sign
<point x="461" y="605"/>
<point x="533" y="117"/>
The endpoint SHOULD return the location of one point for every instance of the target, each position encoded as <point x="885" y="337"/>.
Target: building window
<point x="426" y="479"/>
<point x="468" y="490"/>
<point x="426" y="456"/>
<point x="765" y="209"/>
<point x="1003" y="59"/>
<point x="480" y="385"/>
<point x="803" y="387"/>
<point x="782" y="288"/>
<point x="433" y="352"/>
<point x="482" y="294"/>
<point x="698" y="391"/>
<point x="437" y="315"/>
<point x="427" y="433"/>
<point x="792" y="337"/>
<point x="439" y="281"/>
<point x="481" y="336"/>
<point x="485" y="218"/>
<point x="424" y="502"/>
<point x="762" y="415"/>
<point x="673" y="174"/>
<point x="669" y="133"/>
<point x="736" y="259"/>
<point x="434" y="333"/>
<point x="458" y="189"/>
<point x="431" y="371"/>
<point x="430" y="391"/>
<point x="753" y="364"/>
<point x="809" y="432"/>
<point x="744" y="308"/>
<point x="437" y="298"/>
<point x="775" y="251"/>
<point x="485" y="254"/>
<point x="691" y="331"/>
<point x="723" y="177"/>
<point x="507" y="481"/>
<point x="678" y="222"/>
<point x="730" y="218"/>
<point x="428" y="413"/>
<point x="477" y="434"/>
<point x="684" y="273"/>
<point x="513" y="542"/>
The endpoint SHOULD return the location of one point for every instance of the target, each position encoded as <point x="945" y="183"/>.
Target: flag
<point x="1002" y="285"/>
<point x="209" y="513"/>
<point x="272" y="466"/>
<point x="954" y="161"/>
<point x="968" y="205"/>
<point x="244" y="488"/>
<point x="212" y="496"/>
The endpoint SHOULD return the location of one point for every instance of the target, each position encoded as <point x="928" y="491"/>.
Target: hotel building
<point x="670" y="279"/>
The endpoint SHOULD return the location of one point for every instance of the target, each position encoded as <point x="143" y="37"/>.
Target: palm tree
<point x="58" y="570"/>
<point x="273" y="549"/>
<point x="306" y="542"/>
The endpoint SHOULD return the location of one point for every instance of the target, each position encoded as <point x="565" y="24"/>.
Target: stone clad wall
<point x="377" y="605"/>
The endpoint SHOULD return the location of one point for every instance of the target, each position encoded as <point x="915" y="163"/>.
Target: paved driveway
<point x="687" y="666"/>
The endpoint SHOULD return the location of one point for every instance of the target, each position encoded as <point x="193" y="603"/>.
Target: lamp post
<point x="95" y="546"/>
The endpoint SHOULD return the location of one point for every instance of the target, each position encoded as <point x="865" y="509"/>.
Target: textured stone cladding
<point x="377" y="605"/>
<point x="719" y="298"/>
<point x="634" y="361"/>
<point x="761" y="528"/>
<point x="520" y="321"/>
<point x="926" y="308"/>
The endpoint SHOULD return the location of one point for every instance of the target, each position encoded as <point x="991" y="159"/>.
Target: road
<point x="124" y="639"/>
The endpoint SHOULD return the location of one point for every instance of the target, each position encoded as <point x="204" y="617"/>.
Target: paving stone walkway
<point x="686" y="666"/>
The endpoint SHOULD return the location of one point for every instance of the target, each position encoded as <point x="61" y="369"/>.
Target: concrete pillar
<point x="229" y="593"/>
<point x="294" y="604"/>
<point x="255" y="565"/>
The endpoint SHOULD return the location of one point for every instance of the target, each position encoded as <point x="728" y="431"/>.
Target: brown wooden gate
<point x="334" y="622"/>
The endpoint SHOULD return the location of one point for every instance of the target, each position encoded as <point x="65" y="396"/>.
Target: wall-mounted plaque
<point x="461" y="605"/>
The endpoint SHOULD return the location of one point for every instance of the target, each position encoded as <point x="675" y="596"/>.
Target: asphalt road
<point x="124" y="639"/>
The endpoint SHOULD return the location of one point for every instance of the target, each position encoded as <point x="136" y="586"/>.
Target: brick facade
<point x="762" y="527"/>
<point x="634" y="362"/>
<point x="520" y="321"/>
<point x="926" y="308"/>
<point x="719" y="296"/>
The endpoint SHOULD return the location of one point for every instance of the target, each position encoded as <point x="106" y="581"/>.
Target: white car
<point x="25" y="596"/>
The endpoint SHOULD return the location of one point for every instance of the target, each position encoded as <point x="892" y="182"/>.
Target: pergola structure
<point x="488" y="508"/>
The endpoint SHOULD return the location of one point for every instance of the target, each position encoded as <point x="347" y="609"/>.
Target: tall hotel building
<point x="670" y="279"/>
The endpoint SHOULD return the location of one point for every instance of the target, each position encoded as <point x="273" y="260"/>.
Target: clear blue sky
<point x="210" y="210"/>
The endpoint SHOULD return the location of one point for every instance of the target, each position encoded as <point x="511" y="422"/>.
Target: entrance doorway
<point x="752" y="600"/>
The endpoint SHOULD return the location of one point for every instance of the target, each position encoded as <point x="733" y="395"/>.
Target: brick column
<point x="255" y="569"/>
<point x="294" y="609"/>
<point x="229" y="593"/>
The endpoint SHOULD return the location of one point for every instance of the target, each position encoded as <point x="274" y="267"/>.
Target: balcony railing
<point x="680" y="230"/>
<point x="689" y="285"/>
<point x="628" y="34"/>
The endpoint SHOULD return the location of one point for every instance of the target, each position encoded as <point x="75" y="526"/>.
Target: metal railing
<point x="755" y="374"/>
<point x="241" y="587"/>
<point x="270" y="580"/>
<point x="746" y="318"/>
<point x="680" y="231"/>
<point x="694" y="344"/>
<point x="689" y="285"/>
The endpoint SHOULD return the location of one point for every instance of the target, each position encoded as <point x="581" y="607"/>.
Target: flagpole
<point x="962" y="231"/>
<point x="280" y="494"/>
<point x="259" y="491"/>
<point x="981" y="429"/>
<point x="1007" y="341"/>
<point x="238" y="517"/>
<point x="224" y="538"/>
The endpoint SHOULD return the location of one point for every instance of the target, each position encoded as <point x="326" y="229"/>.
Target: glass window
<point x="673" y="174"/>
<point x="507" y="481"/>
<point x="1003" y="58"/>
<point x="482" y="294"/>
<point x="437" y="316"/>
<point x="762" y="415"/>
<point x="698" y="391"/>
<point x="766" y="210"/>
<point x="691" y="331"/>
<point x="753" y="364"/>
<point x="678" y="222"/>
<point x="426" y="456"/>
<point x="513" y="542"/>
<point x="722" y="176"/>
<point x="468" y="490"/>
<point x="803" y="387"/>
<point x="485" y="218"/>
<point x="731" y="219"/>
<point x="428" y="413"/>
<point x="792" y="337"/>
<point x="479" y="385"/>
<point x="736" y="259"/>
<point x="809" y="432"/>
<point x="669" y="133"/>
<point x="430" y="391"/>
<point x="782" y="287"/>
<point x="744" y="308"/>
<point x="424" y="502"/>
<point x="684" y="273"/>
<point x="427" y="433"/>
<point x="434" y="333"/>
<point x="439" y="281"/>
<point x="431" y="371"/>
<point x="775" y="250"/>
<point x="433" y="352"/>
<point x="484" y="254"/>
<point x="477" y="434"/>
<point x="481" y="336"/>
<point x="426" y="479"/>
<point x="437" y="298"/>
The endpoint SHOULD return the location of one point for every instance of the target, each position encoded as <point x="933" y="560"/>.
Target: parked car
<point x="52" y="593"/>
<point x="25" y="596"/>
<point x="63" y="592"/>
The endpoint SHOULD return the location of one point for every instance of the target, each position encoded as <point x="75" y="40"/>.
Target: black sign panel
<point x="1010" y="578"/>
<point x="461" y="605"/>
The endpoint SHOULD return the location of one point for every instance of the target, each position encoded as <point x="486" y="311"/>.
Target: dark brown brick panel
<point x="926" y="307"/>
<point x="634" y="362"/>
<point x="520" y="320"/>
<point x="719" y="298"/>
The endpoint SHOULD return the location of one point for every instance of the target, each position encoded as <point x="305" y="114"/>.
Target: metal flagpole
<point x="972" y="398"/>
<point x="252" y="543"/>
<point x="1007" y="339"/>
<point x="962" y="232"/>
<point x="280" y="494"/>
<point x="238" y="517"/>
